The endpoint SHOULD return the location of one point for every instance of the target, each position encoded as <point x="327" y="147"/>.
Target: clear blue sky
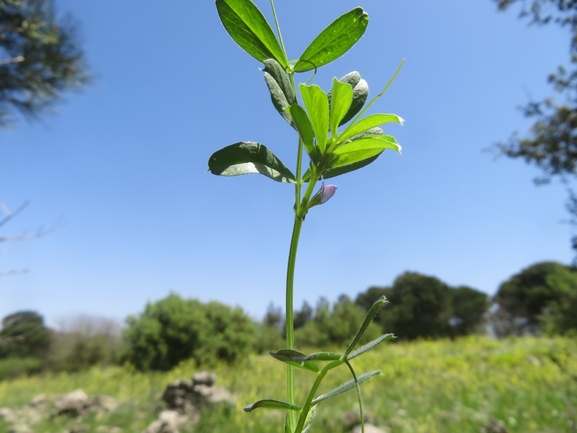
<point x="125" y="162"/>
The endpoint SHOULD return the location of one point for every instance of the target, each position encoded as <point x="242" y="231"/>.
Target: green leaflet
<point x="341" y="99"/>
<point x="370" y="345"/>
<point x="317" y="105"/>
<point x="367" y="123"/>
<point x="289" y="357"/>
<point x="281" y="91"/>
<point x="275" y="69"/>
<point x="323" y="356"/>
<point x="360" y="94"/>
<point x="346" y="386"/>
<point x="248" y="27"/>
<point x="305" y="128"/>
<point x="366" y="322"/>
<point x="248" y="157"/>
<point x="278" y="97"/>
<point x="334" y="41"/>
<point x="362" y="149"/>
<point x="271" y="404"/>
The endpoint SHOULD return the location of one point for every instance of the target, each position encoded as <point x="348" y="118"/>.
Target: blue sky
<point x="124" y="163"/>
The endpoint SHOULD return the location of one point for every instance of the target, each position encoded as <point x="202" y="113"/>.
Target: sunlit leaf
<point x="305" y="128"/>
<point x="346" y="386"/>
<point x="317" y="105"/>
<point x="248" y="157"/>
<point x="367" y="123"/>
<point x="246" y="24"/>
<point x="360" y="94"/>
<point x="334" y="41"/>
<point x="360" y="150"/>
<point x="271" y="404"/>
<point x="341" y="99"/>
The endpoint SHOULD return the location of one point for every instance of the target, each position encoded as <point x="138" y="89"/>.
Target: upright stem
<point x="290" y="275"/>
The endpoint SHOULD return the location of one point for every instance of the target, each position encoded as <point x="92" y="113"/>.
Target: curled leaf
<point x="248" y="157"/>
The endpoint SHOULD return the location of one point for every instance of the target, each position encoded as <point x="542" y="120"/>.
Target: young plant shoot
<point x="333" y="136"/>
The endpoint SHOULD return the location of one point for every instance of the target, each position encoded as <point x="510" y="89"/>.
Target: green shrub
<point x="84" y="341"/>
<point x="268" y="338"/>
<point x="24" y="335"/>
<point x="13" y="367"/>
<point x="174" y="329"/>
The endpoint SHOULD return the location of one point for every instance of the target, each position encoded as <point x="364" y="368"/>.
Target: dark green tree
<point x="469" y="308"/>
<point x="420" y="307"/>
<point x="24" y="335"/>
<point x="424" y="307"/>
<point x="540" y="294"/>
<point x="304" y="315"/>
<point x="174" y="329"/>
<point x="334" y="326"/>
<point x="551" y="143"/>
<point x="40" y="56"/>
<point x="366" y="299"/>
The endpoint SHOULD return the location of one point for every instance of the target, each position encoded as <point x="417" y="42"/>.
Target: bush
<point x="85" y="341"/>
<point x="24" y="335"/>
<point x="174" y="329"/>
<point x="13" y="367"/>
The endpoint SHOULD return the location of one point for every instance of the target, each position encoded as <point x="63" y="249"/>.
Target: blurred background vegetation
<point x="539" y="300"/>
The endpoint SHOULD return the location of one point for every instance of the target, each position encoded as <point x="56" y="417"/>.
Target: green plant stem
<point x="289" y="311"/>
<point x="278" y="29"/>
<point x="307" y="406"/>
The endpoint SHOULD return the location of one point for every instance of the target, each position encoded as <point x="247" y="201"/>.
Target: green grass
<point x="427" y="386"/>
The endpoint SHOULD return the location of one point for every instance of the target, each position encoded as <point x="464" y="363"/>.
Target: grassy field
<point x="427" y="386"/>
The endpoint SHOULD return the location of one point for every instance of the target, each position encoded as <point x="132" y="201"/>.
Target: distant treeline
<point x="540" y="299"/>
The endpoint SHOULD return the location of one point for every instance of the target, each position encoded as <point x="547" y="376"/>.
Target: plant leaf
<point x="358" y="153"/>
<point x="248" y="27"/>
<point x="278" y="97"/>
<point x="367" y="123"/>
<point x="322" y="356"/>
<point x="341" y="99"/>
<point x="360" y="94"/>
<point x="281" y="91"/>
<point x="334" y="41"/>
<point x="346" y="386"/>
<point x="368" y="319"/>
<point x="310" y="418"/>
<point x="288" y="357"/>
<point x="317" y="104"/>
<point x="305" y="129"/>
<point x="247" y="157"/>
<point x="275" y="69"/>
<point x="271" y="404"/>
<point x="370" y="345"/>
<point x="359" y="396"/>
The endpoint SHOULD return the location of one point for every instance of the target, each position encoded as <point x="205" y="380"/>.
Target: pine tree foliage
<point x="551" y="144"/>
<point x="40" y="57"/>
